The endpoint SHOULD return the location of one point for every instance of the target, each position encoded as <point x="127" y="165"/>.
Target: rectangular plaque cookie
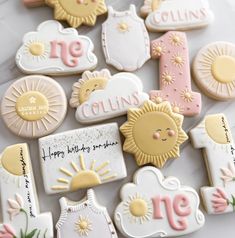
<point x="81" y="158"/>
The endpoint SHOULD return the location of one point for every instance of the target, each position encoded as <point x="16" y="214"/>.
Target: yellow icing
<point x="90" y="86"/>
<point x="84" y="179"/>
<point x="223" y="68"/>
<point x="36" y="48"/>
<point x="138" y="207"/>
<point x="123" y="27"/>
<point x="218" y="129"/>
<point x="155" y="4"/>
<point x="147" y="125"/>
<point x="15" y="159"/>
<point x="32" y="106"/>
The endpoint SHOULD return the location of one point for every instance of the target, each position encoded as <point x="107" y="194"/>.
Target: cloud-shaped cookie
<point x="110" y="96"/>
<point x="53" y="50"/>
<point x="154" y="206"/>
<point x="180" y="15"/>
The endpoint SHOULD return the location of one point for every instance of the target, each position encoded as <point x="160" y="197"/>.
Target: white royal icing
<point x="180" y="15"/>
<point x="55" y="50"/>
<point x="125" y="40"/>
<point x="84" y="218"/>
<point x="123" y="91"/>
<point x="81" y="158"/>
<point x="19" y="200"/>
<point x="154" y="206"/>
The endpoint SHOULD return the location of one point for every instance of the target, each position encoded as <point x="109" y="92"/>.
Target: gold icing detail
<point x="138" y="207"/>
<point x="218" y="129"/>
<point x="139" y="130"/>
<point x="175" y="39"/>
<point x="15" y="159"/>
<point x="123" y="27"/>
<point x="32" y="106"/>
<point x="36" y="48"/>
<point x="176" y="109"/>
<point x="83" y="226"/>
<point x="223" y="69"/>
<point x="177" y="60"/>
<point x="77" y="12"/>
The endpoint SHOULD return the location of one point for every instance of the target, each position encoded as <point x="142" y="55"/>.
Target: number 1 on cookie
<point x="175" y="78"/>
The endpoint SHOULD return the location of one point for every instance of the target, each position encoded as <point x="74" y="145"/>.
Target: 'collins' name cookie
<point x="153" y="133"/>
<point x="81" y="158"/>
<point x="55" y="50"/>
<point x="154" y="206"/>
<point x="34" y="106"/>
<point x="99" y="96"/>
<point x="214" y="70"/>
<point x="214" y="137"/>
<point x="177" y="15"/>
<point x="124" y="34"/>
<point x="175" y="79"/>
<point x="85" y="218"/>
<point x="19" y="201"/>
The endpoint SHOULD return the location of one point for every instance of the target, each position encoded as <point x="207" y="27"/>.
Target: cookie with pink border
<point x="154" y="206"/>
<point x="175" y="79"/>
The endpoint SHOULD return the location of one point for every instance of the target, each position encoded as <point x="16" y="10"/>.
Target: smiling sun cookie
<point x="154" y="206"/>
<point x="99" y="96"/>
<point x="55" y="50"/>
<point x="78" y="12"/>
<point x="153" y="133"/>
<point x="34" y="106"/>
<point x="214" y="70"/>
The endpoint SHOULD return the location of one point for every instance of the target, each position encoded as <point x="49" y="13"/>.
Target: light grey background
<point x="16" y="20"/>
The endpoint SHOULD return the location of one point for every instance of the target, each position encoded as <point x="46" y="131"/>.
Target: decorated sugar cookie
<point x="154" y="206"/>
<point x="99" y="96"/>
<point x="153" y="133"/>
<point x="124" y="33"/>
<point x="150" y="6"/>
<point x="175" y="78"/>
<point x="19" y="202"/>
<point x="170" y="15"/>
<point x="85" y="218"/>
<point x="214" y="137"/>
<point x="34" y="106"/>
<point x="78" y="12"/>
<point x="54" y="50"/>
<point x="214" y="70"/>
<point x="81" y="158"/>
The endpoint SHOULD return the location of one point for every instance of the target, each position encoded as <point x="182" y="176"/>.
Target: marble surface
<point x="15" y="20"/>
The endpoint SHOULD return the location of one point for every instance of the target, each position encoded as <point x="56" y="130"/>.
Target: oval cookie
<point x="153" y="133"/>
<point x="214" y="70"/>
<point x="34" y="106"/>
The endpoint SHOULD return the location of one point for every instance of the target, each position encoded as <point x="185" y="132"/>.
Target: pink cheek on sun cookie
<point x="156" y="135"/>
<point x="171" y="133"/>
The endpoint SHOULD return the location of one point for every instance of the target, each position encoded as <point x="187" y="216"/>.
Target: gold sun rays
<point x="13" y="119"/>
<point x="77" y="177"/>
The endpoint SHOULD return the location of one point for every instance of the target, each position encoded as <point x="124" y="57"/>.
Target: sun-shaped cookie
<point x="214" y="70"/>
<point x="89" y="82"/>
<point x="78" y="12"/>
<point x="153" y="133"/>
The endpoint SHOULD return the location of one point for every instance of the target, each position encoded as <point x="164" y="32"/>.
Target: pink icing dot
<point x="171" y="133"/>
<point x="156" y="135"/>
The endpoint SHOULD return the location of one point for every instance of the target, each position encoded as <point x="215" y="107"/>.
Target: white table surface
<point x="15" y="20"/>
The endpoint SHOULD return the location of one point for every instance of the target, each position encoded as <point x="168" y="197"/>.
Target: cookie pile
<point x="34" y="106"/>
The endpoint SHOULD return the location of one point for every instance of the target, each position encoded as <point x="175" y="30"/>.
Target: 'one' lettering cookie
<point x="153" y="133"/>
<point x="154" y="206"/>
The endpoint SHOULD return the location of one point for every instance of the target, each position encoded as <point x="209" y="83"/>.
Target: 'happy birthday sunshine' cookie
<point x="19" y="200"/>
<point x="34" y="106"/>
<point x="99" y="96"/>
<point x="154" y="206"/>
<point x="214" y="70"/>
<point x="153" y="133"/>
<point x="55" y="50"/>
<point x="78" y="12"/>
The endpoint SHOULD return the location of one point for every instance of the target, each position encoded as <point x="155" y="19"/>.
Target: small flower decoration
<point x="157" y="98"/>
<point x="123" y="27"/>
<point x="220" y="201"/>
<point x="16" y="206"/>
<point x="228" y="174"/>
<point x="7" y="232"/>
<point x="83" y="226"/>
<point x="186" y="95"/>
<point x="178" y="60"/>
<point x="158" y="49"/>
<point x="177" y="108"/>
<point x="167" y="78"/>
<point x="175" y="39"/>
